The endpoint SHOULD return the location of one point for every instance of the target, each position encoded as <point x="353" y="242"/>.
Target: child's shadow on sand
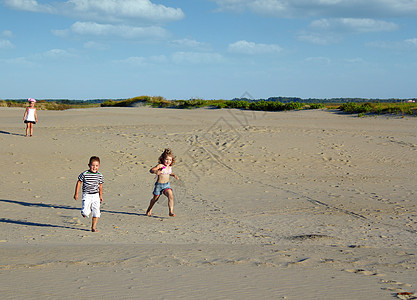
<point x="11" y="133"/>
<point x="26" y="223"/>
<point x="46" y="205"/>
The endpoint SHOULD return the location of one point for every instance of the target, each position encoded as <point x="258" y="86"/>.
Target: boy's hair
<point x="167" y="152"/>
<point x="94" y="158"/>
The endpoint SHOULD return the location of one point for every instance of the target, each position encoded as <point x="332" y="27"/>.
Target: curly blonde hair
<point x="167" y="152"/>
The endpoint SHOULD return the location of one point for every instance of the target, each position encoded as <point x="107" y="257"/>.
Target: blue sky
<point x="210" y="49"/>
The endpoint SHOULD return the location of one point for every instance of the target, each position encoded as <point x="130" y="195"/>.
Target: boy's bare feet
<point x="172" y="215"/>
<point x="94" y="230"/>
<point x="148" y="213"/>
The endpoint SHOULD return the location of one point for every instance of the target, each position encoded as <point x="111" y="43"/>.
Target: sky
<point x="208" y="49"/>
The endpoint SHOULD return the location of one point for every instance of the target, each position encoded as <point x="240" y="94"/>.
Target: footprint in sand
<point x="361" y="271"/>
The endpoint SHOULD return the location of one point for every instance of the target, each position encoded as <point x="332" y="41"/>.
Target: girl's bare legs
<point x="170" y="196"/>
<point x="31" y="128"/>
<point x="151" y="204"/>
<point x="27" y="129"/>
<point x="94" y="224"/>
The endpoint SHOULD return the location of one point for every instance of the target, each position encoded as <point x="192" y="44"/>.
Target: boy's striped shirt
<point x="90" y="181"/>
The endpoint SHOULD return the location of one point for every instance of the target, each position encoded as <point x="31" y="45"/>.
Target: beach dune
<point x="277" y="205"/>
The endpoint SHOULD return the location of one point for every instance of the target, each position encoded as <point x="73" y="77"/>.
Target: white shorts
<point x="91" y="203"/>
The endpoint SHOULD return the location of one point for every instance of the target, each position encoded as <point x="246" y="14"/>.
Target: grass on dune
<point x="47" y="105"/>
<point x="380" y="108"/>
<point x="197" y="103"/>
<point x="360" y="108"/>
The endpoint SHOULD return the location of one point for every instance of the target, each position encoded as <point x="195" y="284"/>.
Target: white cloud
<point x="411" y="42"/>
<point x="246" y="47"/>
<point x="61" y="32"/>
<point x="137" y="9"/>
<point x="330" y="31"/>
<point x="318" y="38"/>
<point x="7" y="33"/>
<point x="28" y="5"/>
<point x="189" y="43"/>
<point x="405" y="45"/>
<point x="196" y="57"/>
<point x="95" y="45"/>
<point x="231" y="5"/>
<point x="320" y="60"/>
<point x="19" y="61"/>
<point x="326" y="8"/>
<point x="132" y="61"/>
<point x="6" y="44"/>
<point x="357" y="60"/>
<point x="57" y="53"/>
<point x="142" y="61"/>
<point x="104" y="10"/>
<point x="353" y="25"/>
<point x="108" y="30"/>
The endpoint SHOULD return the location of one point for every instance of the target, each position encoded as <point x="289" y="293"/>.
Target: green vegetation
<point x="404" y="108"/>
<point x="197" y="103"/>
<point x="362" y="107"/>
<point x="49" y="105"/>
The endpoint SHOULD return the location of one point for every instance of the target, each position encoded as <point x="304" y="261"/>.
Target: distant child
<point x="163" y="170"/>
<point x="92" y="181"/>
<point x="30" y="117"/>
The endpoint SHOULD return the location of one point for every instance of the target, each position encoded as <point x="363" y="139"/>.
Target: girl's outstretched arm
<point x="175" y="176"/>
<point x="156" y="169"/>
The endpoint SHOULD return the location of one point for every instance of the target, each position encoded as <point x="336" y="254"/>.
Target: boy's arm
<point x="100" y="191"/>
<point x="77" y="188"/>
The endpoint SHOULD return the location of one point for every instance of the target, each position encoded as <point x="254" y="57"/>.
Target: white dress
<point x="30" y="117"/>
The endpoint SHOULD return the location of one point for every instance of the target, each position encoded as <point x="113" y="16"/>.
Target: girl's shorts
<point x="160" y="188"/>
<point x="91" y="203"/>
<point x="33" y="122"/>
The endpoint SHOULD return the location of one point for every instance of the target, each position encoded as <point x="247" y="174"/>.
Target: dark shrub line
<point x="261" y="105"/>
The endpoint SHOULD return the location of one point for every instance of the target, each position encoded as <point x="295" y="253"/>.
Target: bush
<point x="275" y="106"/>
<point x="221" y="105"/>
<point x="192" y="103"/>
<point x="107" y="103"/>
<point x="240" y="104"/>
<point x="293" y="105"/>
<point x="316" y="106"/>
<point x="154" y="101"/>
<point x="352" y="107"/>
<point x="266" y="106"/>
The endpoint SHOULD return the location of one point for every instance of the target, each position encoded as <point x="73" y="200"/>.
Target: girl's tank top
<point x="31" y="114"/>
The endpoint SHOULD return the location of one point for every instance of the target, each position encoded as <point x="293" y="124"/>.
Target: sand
<point x="269" y="205"/>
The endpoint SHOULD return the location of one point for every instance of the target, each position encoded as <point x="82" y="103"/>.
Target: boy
<point x="92" y="181"/>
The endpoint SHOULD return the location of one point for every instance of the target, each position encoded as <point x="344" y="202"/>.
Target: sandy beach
<point x="270" y="205"/>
